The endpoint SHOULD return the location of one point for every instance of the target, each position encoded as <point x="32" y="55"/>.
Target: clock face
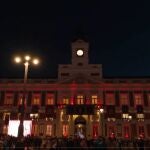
<point x="80" y="52"/>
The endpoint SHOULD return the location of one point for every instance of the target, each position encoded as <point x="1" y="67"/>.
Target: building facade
<point x="80" y="100"/>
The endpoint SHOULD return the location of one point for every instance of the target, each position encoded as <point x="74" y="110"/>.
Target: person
<point x="70" y="143"/>
<point x="119" y="142"/>
<point x="141" y="144"/>
<point x="76" y="142"/>
<point x="20" y="144"/>
<point x="80" y="135"/>
<point x="5" y="144"/>
<point x="83" y="143"/>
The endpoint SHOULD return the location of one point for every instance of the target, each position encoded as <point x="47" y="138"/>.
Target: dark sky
<point x="118" y="32"/>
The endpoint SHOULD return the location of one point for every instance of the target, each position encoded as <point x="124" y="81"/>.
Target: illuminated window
<point x="126" y="131"/>
<point x="110" y="100"/>
<point x="61" y="115"/>
<point x="80" y="99"/>
<point x="50" y="99"/>
<point x="8" y="99"/>
<point x="65" y="100"/>
<point x="5" y="129"/>
<point x="140" y="117"/>
<point x="138" y="99"/>
<point x="119" y="130"/>
<point x="65" y="130"/>
<point x="49" y="130"/>
<point x="125" y="116"/>
<point x="111" y="119"/>
<point x="41" y="129"/>
<point x="94" y="99"/>
<point x="6" y="116"/>
<point x="124" y="99"/>
<point x="95" y="130"/>
<point x="34" y="116"/>
<point x="141" y="131"/>
<point x="35" y="129"/>
<point x="20" y="99"/>
<point x="148" y="97"/>
<point x="36" y="99"/>
<point x="111" y="131"/>
<point x="49" y="118"/>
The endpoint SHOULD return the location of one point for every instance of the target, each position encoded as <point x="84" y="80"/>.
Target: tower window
<point x="80" y="64"/>
<point x="95" y="66"/>
<point x="64" y="74"/>
<point x="94" y="74"/>
<point x="65" y="66"/>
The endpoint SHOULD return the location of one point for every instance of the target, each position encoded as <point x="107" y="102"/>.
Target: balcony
<point x="80" y="109"/>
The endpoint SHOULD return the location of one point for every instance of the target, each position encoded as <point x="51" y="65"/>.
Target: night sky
<point x="118" y="33"/>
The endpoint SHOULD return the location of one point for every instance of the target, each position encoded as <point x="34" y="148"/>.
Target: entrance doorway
<point x="80" y="127"/>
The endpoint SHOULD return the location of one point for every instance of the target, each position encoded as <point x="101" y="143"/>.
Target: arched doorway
<point x="80" y="127"/>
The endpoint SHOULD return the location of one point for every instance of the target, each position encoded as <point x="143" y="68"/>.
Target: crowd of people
<point x="36" y="143"/>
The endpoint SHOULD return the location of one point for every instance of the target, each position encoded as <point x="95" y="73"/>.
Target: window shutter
<point x="131" y="99"/>
<point x="15" y="98"/>
<point x="117" y="98"/>
<point x="43" y="98"/>
<point x="145" y="99"/>
<point x="139" y="108"/>
<point x="125" y="108"/>
<point x="104" y="98"/>
<point x="133" y="130"/>
<point x="21" y="109"/>
<point x="148" y="130"/>
<point x="6" y="119"/>
<point x="110" y="111"/>
<point x="29" y="97"/>
<point x="35" y="109"/>
<point x="2" y="95"/>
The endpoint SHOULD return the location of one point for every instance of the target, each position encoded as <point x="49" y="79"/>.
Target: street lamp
<point x="26" y="61"/>
<point x="101" y="111"/>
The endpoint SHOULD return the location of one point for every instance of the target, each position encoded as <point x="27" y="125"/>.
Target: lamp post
<point x="101" y="111"/>
<point x="26" y="61"/>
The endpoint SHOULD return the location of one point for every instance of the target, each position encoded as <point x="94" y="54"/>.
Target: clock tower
<point x="80" y="53"/>
<point x="80" y="67"/>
